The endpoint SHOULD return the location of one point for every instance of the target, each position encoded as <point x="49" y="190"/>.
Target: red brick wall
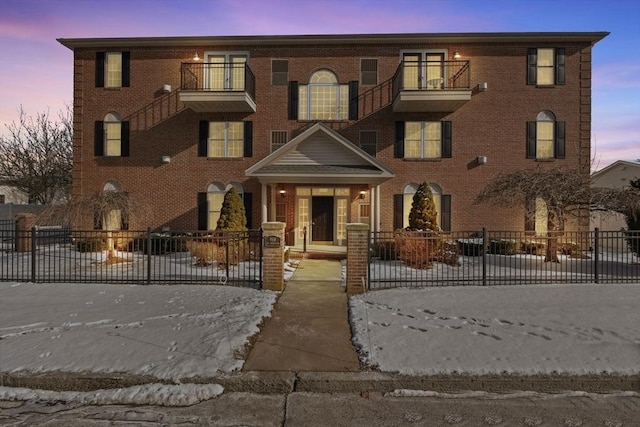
<point x="491" y="124"/>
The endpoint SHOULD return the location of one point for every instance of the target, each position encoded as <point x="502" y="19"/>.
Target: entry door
<point x="322" y="218"/>
<point x="226" y="71"/>
<point x="423" y="70"/>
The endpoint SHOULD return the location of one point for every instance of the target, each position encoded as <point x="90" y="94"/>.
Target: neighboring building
<point x="320" y="131"/>
<point x="616" y="175"/>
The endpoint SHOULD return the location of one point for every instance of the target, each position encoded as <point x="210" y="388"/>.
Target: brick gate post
<point x="357" y="258"/>
<point x="273" y="256"/>
<point x="24" y="223"/>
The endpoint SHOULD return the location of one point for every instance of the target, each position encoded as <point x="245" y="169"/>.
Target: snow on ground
<point x="534" y="329"/>
<point x="166" y="332"/>
<point x="147" y="394"/>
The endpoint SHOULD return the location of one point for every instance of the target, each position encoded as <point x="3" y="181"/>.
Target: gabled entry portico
<point x="320" y="181"/>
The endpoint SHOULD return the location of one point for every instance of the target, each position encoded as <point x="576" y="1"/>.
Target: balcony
<point x="218" y="87"/>
<point x="431" y="86"/>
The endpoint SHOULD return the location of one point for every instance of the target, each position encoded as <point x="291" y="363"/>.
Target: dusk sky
<point x="36" y="71"/>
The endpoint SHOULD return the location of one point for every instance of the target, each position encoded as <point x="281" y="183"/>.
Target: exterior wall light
<point x="362" y="194"/>
<point x="282" y="192"/>
<point x="482" y="160"/>
<point x="456" y="55"/>
<point x="166" y="159"/>
<point x="196" y="57"/>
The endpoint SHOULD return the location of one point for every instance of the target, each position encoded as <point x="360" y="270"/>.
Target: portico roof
<point x="320" y="155"/>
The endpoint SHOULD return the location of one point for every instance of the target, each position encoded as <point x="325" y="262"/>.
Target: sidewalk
<point x="309" y="328"/>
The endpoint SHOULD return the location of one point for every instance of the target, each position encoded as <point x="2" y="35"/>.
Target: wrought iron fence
<point x="417" y="259"/>
<point x="136" y="257"/>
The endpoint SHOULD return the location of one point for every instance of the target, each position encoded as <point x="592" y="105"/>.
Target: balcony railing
<point x="431" y="85"/>
<point x="224" y="87"/>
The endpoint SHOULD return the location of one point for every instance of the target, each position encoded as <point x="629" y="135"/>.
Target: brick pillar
<point x="273" y="256"/>
<point x="24" y="223"/>
<point x="357" y="257"/>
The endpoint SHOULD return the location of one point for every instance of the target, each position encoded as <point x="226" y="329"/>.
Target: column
<point x="357" y="258"/>
<point x="273" y="256"/>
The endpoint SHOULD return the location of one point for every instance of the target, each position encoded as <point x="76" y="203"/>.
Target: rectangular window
<point x="303" y="217"/>
<point x="214" y="200"/>
<point x="226" y="139"/>
<point x="278" y="139"/>
<point x="279" y="72"/>
<point x="423" y="140"/>
<point x="544" y="140"/>
<point x="545" y="67"/>
<point x="341" y="208"/>
<point x="369" y="71"/>
<point x="113" y="69"/>
<point x="364" y="214"/>
<point x="323" y="102"/>
<point x="369" y="141"/>
<point x="113" y="141"/>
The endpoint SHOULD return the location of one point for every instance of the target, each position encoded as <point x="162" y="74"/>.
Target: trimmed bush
<point x="573" y="250"/>
<point x="384" y="251"/>
<point x="417" y="249"/>
<point x="448" y="253"/>
<point x="470" y="247"/>
<point x="532" y="248"/>
<point x="92" y="244"/>
<point x="160" y="244"/>
<point x="502" y="247"/>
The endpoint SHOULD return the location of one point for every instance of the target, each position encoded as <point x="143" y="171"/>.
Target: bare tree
<point x="37" y="155"/>
<point x="566" y="192"/>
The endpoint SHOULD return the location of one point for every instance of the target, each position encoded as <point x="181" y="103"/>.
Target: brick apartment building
<point x="320" y="131"/>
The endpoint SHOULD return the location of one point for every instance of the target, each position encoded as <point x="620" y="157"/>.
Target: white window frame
<point x="544" y="121"/>
<point x="228" y="82"/>
<point x="112" y="138"/>
<point x="307" y="99"/>
<point x="113" y="69"/>
<point x="424" y="142"/>
<point x="423" y="69"/>
<point x="211" y="140"/>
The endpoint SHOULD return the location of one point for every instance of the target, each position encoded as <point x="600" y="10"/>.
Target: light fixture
<point x="282" y="192"/>
<point x="166" y="159"/>
<point x="166" y="88"/>
<point x="456" y="55"/>
<point x="196" y="57"/>
<point x="482" y="160"/>
<point x="362" y="194"/>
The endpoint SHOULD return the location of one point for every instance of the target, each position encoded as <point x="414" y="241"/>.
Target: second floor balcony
<point x="431" y="86"/>
<point x="223" y="87"/>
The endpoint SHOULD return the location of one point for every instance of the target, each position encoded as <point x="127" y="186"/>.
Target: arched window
<point x="112" y="135"/>
<point x="215" y="197"/>
<point x="323" y="98"/>
<point x="546" y="137"/>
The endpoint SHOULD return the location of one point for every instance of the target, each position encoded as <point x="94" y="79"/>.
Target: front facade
<point x="321" y="131"/>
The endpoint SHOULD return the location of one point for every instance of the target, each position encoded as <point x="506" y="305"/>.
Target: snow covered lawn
<point x="534" y="329"/>
<point x="167" y="332"/>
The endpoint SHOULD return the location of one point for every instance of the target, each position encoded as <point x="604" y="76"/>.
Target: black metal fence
<point x="136" y="257"/>
<point x="415" y="259"/>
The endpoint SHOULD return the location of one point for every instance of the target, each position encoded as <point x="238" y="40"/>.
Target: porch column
<point x="377" y="213"/>
<point x="263" y="203"/>
<point x="372" y="209"/>
<point x="272" y="210"/>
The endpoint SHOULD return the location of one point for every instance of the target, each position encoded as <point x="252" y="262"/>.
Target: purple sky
<point x="36" y="71"/>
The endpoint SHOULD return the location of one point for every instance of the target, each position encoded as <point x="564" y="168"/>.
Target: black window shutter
<point x="532" y="66"/>
<point x="124" y="139"/>
<point x="446" y="139"/>
<point x="203" y="211"/>
<point x="445" y="215"/>
<point x="560" y="142"/>
<point x="99" y="69"/>
<point x="248" y="207"/>
<point x="203" y="138"/>
<point x="399" y="149"/>
<point x="248" y="139"/>
<point x="98" y="139"/>
<point x="398" y="211"/>
<point x="293" y="100"/>
<point x="531" y="140"/>
<point x="126" y="74"/>
<point x="560" y="65"/>
<point x="353" y="100"/>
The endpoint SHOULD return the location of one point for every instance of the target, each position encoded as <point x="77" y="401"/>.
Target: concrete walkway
<point x="309" y="328"/>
